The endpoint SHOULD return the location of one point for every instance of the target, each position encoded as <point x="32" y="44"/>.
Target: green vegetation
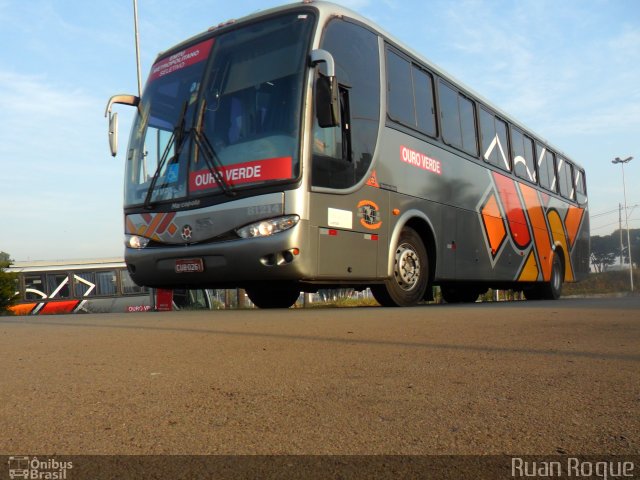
<point x="602" y="283"/>
<point x="7" y="284"/>
<point x="606" y="250"/>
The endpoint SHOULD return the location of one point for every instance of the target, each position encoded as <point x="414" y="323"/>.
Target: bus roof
<point x="66" y="265"/>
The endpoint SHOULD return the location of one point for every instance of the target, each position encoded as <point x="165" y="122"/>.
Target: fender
<point x="400" y="224"/>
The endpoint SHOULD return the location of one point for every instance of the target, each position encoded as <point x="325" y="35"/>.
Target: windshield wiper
<point x="213" y="162"/>
<point x="177" y="138"/>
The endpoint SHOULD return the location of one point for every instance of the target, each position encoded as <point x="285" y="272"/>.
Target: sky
<point x="568" y="70"/>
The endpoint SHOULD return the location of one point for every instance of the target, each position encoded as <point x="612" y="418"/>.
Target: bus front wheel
<point x="273" y="296"/>
<point x="410" y="273"/>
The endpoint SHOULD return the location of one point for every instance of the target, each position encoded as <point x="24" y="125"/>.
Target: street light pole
<point x="626" y="214"/>
<point x="137" y="40"/>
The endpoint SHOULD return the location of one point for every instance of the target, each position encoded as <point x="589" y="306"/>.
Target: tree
<point x="634" y="236"/>
<point x="603" y="252"/>
<point x="7" y="283"/>
<point x="635" y="246"/>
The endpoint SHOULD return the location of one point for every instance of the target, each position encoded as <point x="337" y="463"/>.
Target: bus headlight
<point x="135" y="241"/>
<point x="268" y="227"/>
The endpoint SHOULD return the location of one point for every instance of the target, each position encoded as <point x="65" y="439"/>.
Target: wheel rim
<point x="407" y="271"/>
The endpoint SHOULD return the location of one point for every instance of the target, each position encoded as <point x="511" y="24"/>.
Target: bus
<point x="93" y="286"/>
<point x="303" y="148"/>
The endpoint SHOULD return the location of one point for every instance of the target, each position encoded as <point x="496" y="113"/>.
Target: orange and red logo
<point x="369" y="214"/>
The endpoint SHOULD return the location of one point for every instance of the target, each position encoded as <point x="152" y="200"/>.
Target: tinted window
<point x="106" y="283"/>
<point x="410" y="94"/>
<point x="503" y="144"/>
<point x="336" y="163"/>
<point x="468" y="125"/>
<point x="458" y="120"/>
<point x="84" y="284"/>
<point x="425" y="109"/>
<point x="581" y="186"/>
<point x="58" y="285"/>
<point x="546" y="167"/>
<point x="34" y="287"/>
<point x="495" y="146"/>
<point x="128" y="286"/>
<point x="400" y="89"/>
<point x="522" y="155"/>
<point x="565" y="179"/>
<point x="451" y="132"/>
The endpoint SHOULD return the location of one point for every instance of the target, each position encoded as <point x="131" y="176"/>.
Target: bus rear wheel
<point x="552" y="289"/>
<point x="273" y="296"/>
<point x="410" y="277"/>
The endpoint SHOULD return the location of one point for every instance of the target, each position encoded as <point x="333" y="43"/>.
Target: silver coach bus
<point x="303" y="148"/>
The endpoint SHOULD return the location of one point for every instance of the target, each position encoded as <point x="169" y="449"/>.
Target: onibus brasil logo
<point x="38" y="469"/>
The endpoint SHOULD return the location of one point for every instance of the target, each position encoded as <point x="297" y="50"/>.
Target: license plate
<point x="190" y="265"/>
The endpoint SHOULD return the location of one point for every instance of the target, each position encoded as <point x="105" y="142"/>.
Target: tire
<point x="410" y="277"/>
<point x="459" y="293"/>
<point x="552" y="289"/>
<point x="279" y="296"/>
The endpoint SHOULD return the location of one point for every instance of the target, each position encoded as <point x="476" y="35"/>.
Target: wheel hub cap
<point x="407" y="269"/>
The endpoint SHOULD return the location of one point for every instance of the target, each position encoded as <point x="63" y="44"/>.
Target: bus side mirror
<point x="130" y="100"/>
<point x="113" y="133"/>
<point x="326" y="94"/>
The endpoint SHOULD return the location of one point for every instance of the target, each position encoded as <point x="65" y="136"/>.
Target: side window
<point x="450" y="116"/>
<point x="495" y="145"/>
<point x="34" y="287"/>
<point x="546" y="167"/>
<point x="502" y="136"/>
<point x="425" y="107"/>
<point x="84" y="284"/>
<point x="106" y="283"/>
<point x="551" y="168"/>
<point x="128" y="285"/>
<point x="468" y="125"/>
<point x="522" y="154"/>
<point x="58" y="285"/>
<point x="342" y="155"/>
<point x="565" y="179"/>
<point x="400" y="89"/>
<point x="410" y="94"/>
<point x="458" y="120"/>
<point x="581" y="186"/>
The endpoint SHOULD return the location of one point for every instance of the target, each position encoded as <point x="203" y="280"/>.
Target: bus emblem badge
<point x="187" y="231"/>
<point x="369" y="214"/>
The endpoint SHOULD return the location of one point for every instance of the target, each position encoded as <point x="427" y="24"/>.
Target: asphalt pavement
<point x="541" y="378"/>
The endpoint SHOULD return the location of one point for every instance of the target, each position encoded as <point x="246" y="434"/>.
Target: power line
<point x="613" y="223"/>
<point x="611" y="211"/>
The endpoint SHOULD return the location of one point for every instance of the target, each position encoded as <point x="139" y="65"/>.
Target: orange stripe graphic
<point x="513" y="209"/>
<point x="23" y="309"/>
<point x="154" y="224"/>
<point x="165" y="223"/>
<point x="572" y="222"/>
<point x="557" y="231"/>
<point x="59" y="307"/>
<point x="493" y="224"/>
<point x="130" y="226"/>
<point x="530" y="271"/>
<point x="540" y="230"/>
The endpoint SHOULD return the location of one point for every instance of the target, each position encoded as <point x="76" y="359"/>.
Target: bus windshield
<point x="221" y="115"/>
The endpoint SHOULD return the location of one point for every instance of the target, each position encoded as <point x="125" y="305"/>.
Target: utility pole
<point x="620" y="223"/>
<point x="626" y="214"/>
